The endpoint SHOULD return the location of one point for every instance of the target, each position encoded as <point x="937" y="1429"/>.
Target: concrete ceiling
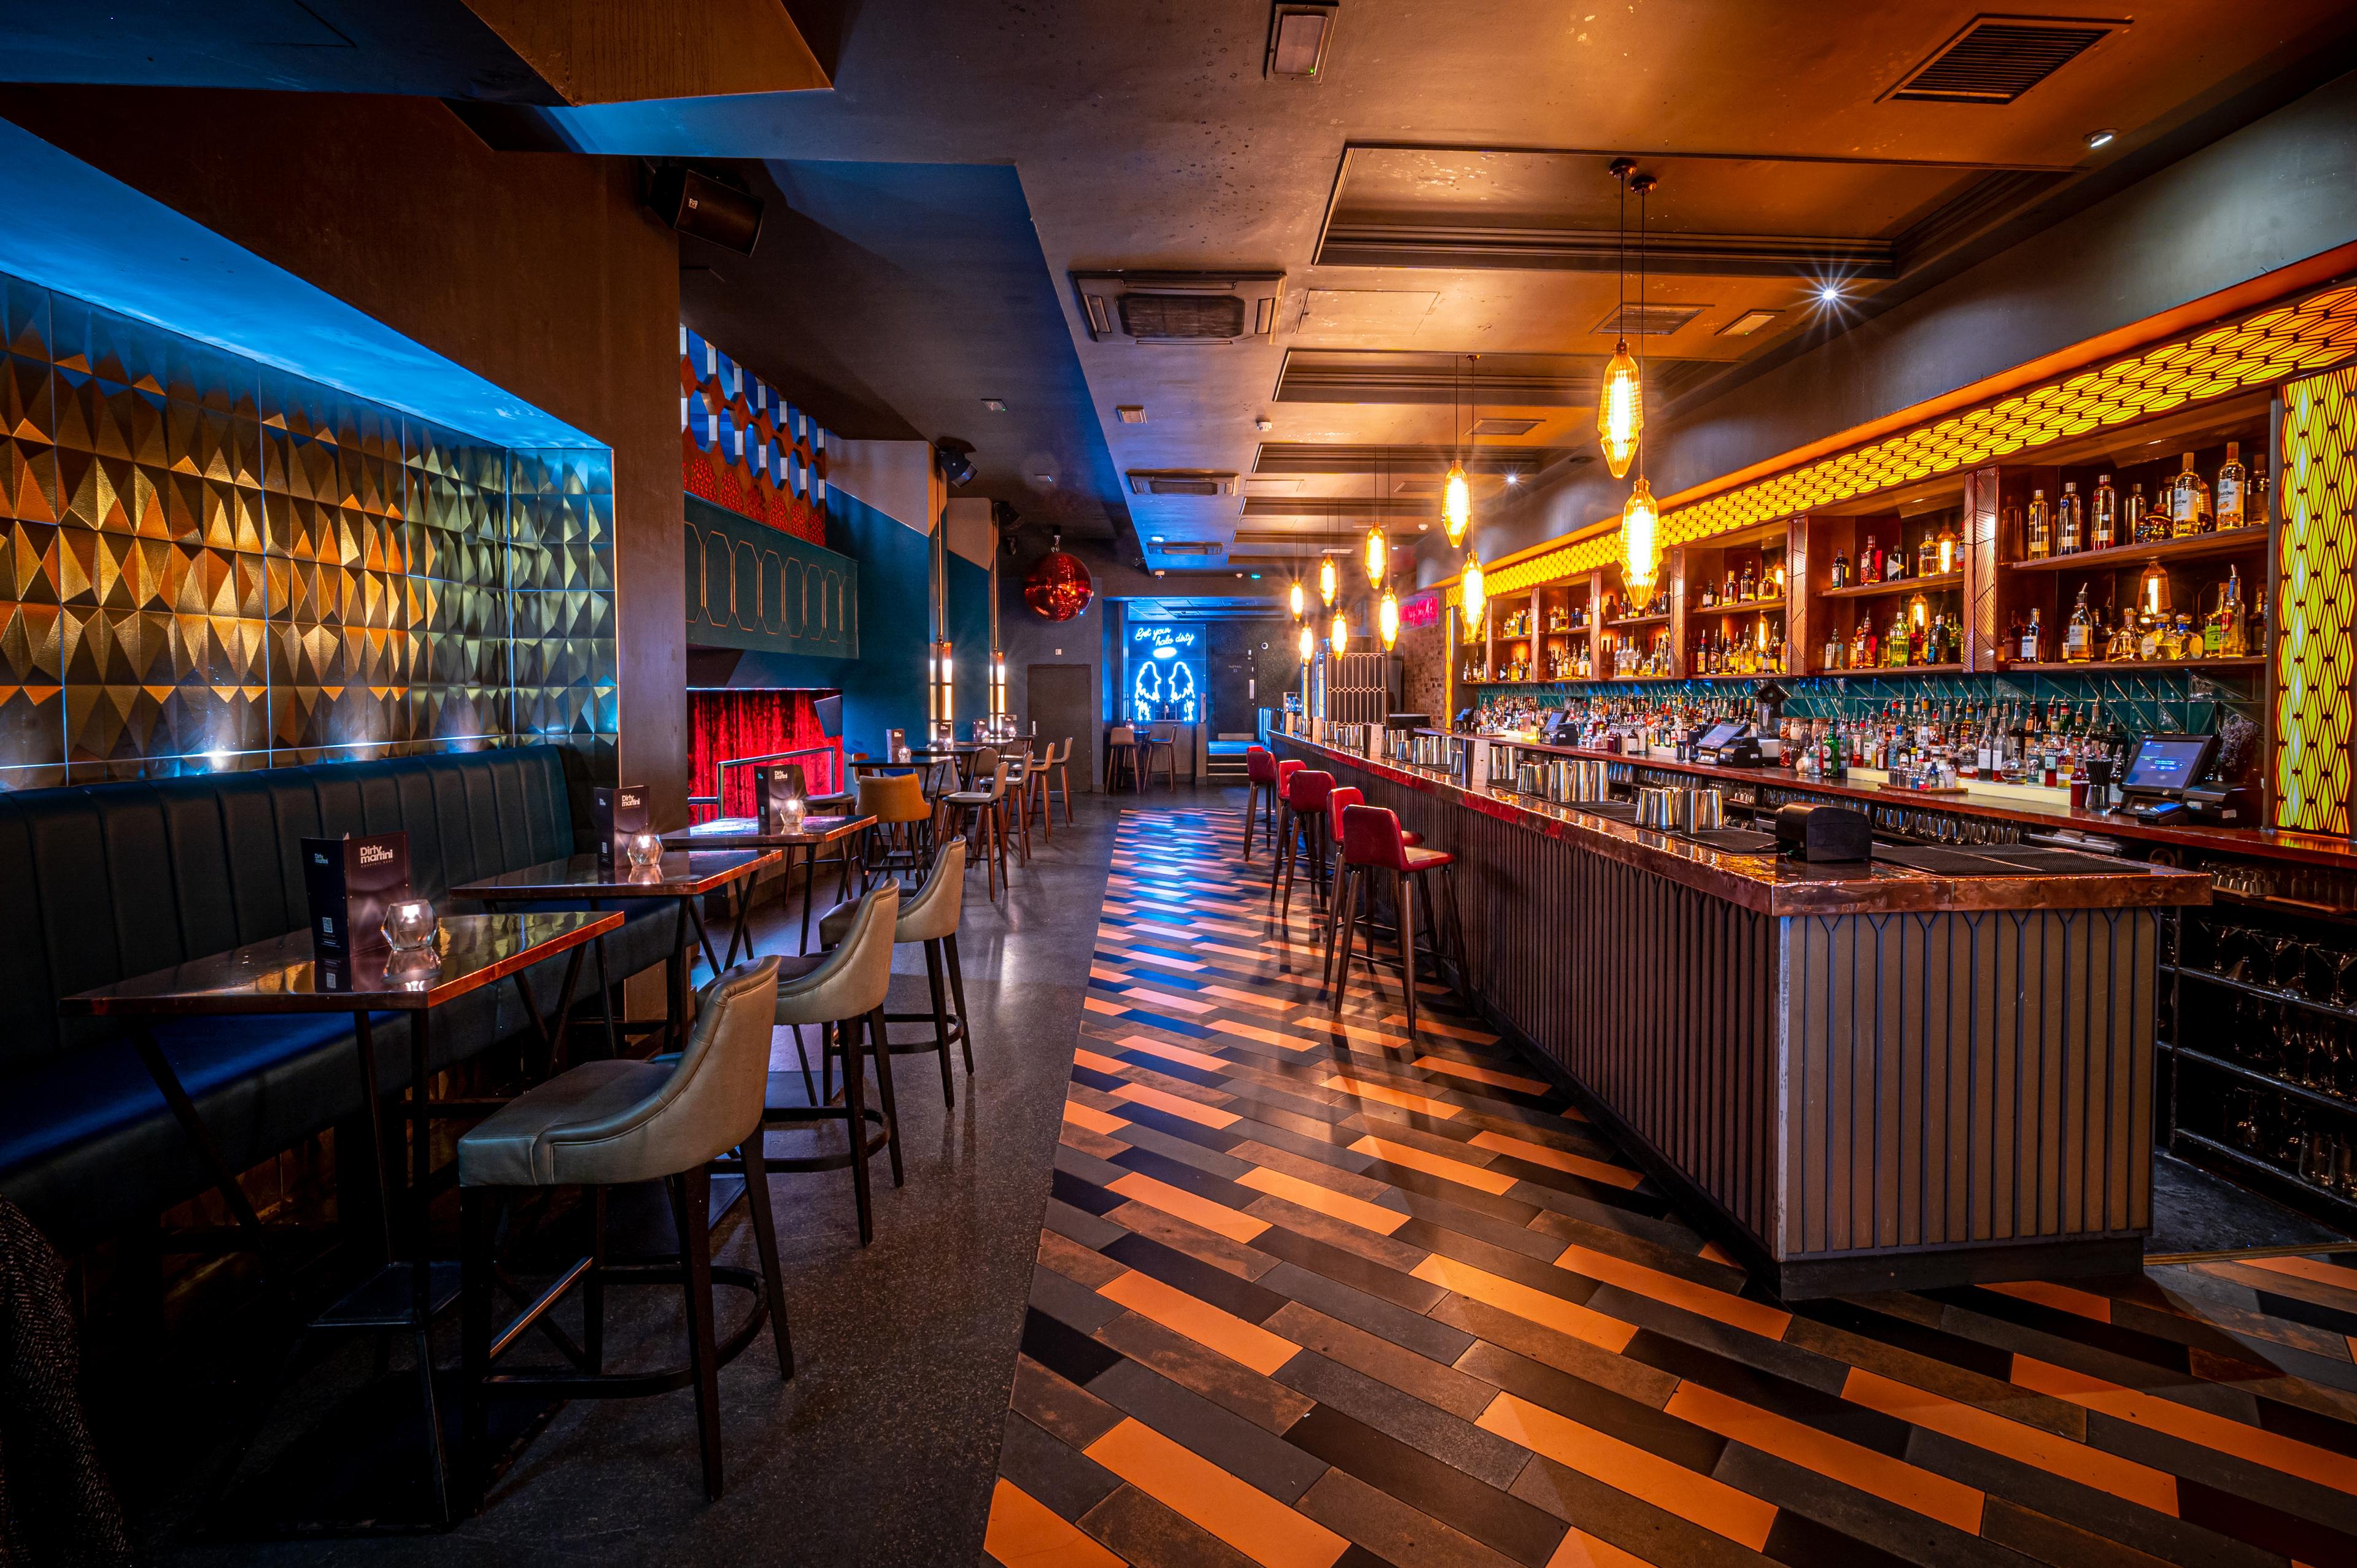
<point x="1438" y="192"/>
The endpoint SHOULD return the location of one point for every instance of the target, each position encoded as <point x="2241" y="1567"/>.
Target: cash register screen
<point x="2164" y="767"/>
<point x="1720" y="735"/>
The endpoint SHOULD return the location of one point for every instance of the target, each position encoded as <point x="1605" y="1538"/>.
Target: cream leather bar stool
<point x="842" y="992"/>
<point x="604" y="1125"/>
<point x="930" y="916"/>
<point x="983" y="810"/>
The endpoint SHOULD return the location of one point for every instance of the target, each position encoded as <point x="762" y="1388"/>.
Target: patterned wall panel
<point x="207" y="562"/>
<point x="744" y="447"/>
<point x="2316" y="571"/>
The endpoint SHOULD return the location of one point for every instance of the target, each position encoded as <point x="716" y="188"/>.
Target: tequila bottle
<point x="2103" y="517"/>
<point x="2188" y="503"/>
<point x="2231" y="493"/>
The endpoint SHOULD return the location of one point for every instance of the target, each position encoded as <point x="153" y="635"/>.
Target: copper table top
<point x="281" y="975"/>
<point x="746" y="832"/>
<point x="680" y="875"/>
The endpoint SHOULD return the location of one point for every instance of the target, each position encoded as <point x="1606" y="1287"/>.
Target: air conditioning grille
<point x="1183" y="317"/>
<point x="1996" y="60"/>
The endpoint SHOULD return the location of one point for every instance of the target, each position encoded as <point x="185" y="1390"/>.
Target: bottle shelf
<point x="2119" y="557"/>
<point x="1894" y="670"/>
<point x="1903" y="585"/>
<point x="2268" y="992"/>
<point x="1661" y="619"/>
<point x="2276" y="1181"/>
<point x="2322" y="1098"/>
<point x="1736" y="608"/>
<point x="1755" y="675"/>
<point x="2114" y="666"/>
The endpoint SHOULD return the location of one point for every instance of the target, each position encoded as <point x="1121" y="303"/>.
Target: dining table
<point x="752" y="833"/>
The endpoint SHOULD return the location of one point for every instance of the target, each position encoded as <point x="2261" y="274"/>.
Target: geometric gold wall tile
<point x="2316" y="616"/>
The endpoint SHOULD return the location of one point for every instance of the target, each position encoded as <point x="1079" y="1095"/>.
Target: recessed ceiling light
<point x="2100" y="138"/>
<point x="1512" y="478"/>
<point x="1424" y="528"/>
<point x="1829" y="294"/>
<point x="995" y="405"/>
<point x="1751" y="321"/>
<point x="1154" y="540"/>
<point x="1131" y="414"/>
<point x="1263" y="423"/>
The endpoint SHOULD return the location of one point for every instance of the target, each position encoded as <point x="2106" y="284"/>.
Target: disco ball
<point x="1059" y="587"/>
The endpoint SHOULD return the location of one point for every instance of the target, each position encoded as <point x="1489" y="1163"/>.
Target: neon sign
<point x="1166" y="682"/>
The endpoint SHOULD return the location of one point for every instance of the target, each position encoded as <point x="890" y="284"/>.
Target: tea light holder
<point x="410" y="925"/>
<point x="645" y="851"/>
<point x="790" y="813"/>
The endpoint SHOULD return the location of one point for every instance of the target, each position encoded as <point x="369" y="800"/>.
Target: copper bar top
<point x="680" y="874"/>
<point x="1775" y="885"/>
<point x="747" y="832"/>
<point x="2310" y="849"/>
<point x="283" y="975"/>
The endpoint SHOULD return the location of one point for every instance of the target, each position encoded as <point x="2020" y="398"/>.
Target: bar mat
<point x="2060" y="862"/>
<point x="1618" y="810"/>
<point x="1736" y="841"/>
<point x="2008" y="861"/>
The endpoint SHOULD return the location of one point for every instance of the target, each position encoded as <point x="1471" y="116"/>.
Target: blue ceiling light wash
<point x="102" y="241"/>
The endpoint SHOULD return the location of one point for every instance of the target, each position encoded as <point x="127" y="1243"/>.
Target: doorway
<point x="1063" y="700"/>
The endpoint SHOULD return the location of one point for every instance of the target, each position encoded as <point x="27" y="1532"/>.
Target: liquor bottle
<point x="2256" y="499"/>
<point x="2033" y="639"/>
<point x="1747" y="584"/>
<point x="1894" y="645"/>
<point x="1945" y="556"/>
<point x="2238" y="642"/>
<point x="1869" y="562"/>
<point x="1841" y="570"/>
<point x="2039" y="529"/>
<point x="2079" y="636"/>
<point x="2148" y="640"/>
<point x="2188" y="503"/>
<point x="2231" y="493"/>
<point x="2144" y="522"/>
<point x="1927" y="557"/>
<point x="2213" y="628"/>
<point x="1726" y="594"/>
<point x="1894" y="565"/>
<point x="2103" y="517"/>
<point x="2073" y="519"/>
<point x="1863" y="644"/>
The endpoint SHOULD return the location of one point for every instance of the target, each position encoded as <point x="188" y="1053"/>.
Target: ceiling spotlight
<point x="1131" y="412"/>
<point x="1512" y="478"/>
<point x="995" y="405"/>
<point x="2100" y="139"/>
<point x="1829" y="294"/>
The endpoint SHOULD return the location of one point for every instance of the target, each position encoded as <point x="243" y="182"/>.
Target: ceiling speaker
<point x="699" y="205"/>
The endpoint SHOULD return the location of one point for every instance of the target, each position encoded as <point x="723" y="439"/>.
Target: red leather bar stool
<point x="1260" y="800"/>
<point x="1373" y="843"/>
<point x="1337" y="801"/>
<point x="1301" y="830"/>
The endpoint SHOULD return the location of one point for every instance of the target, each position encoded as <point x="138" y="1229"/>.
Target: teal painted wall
<point x="969" y="618"/>
<point x="884" y="688"/>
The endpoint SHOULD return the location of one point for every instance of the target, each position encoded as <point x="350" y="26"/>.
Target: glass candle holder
<point x="646" y="849"/>
<point x="790" y="813"/>
<point x="410" y="925"/>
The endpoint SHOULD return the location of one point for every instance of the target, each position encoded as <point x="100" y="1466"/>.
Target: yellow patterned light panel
<point x="2316" y="556"/>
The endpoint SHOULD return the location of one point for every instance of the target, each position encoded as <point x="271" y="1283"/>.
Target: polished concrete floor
<point x="883" y="1448"/>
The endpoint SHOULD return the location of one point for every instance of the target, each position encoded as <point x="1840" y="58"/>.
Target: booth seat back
<point x="105" y="881"/>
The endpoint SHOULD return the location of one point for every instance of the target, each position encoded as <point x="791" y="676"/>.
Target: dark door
<point x="1063" y="700"/>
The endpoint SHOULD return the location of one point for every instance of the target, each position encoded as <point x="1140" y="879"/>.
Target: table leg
<point x="184" y="1109"/>
<point x="702" y="938"/>
<point x="675" y="977"/>
<point x="810" y="886"/>
<point x="421" y="1268"/>
<point x="605" y="997"/>
<point x="364" y="1032"/>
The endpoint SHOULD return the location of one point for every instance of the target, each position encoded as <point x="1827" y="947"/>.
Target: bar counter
<point x="1860" y="1078"/>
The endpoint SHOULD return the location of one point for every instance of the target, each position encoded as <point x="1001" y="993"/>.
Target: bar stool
<point x="1260" y="797"/>
<point x="1121" y="758"/>
<point x="1373" y="843"/>
<point x="1052" y="761"/>
<point x="1337" y="801"/>
<point x="605" y="1124"/>
<point x="1162" y="742"/>
<point x="930" y="918"/>
<point x="1019" y="766"/>
<point x="986" y="813"/>
<point x="899" y="840"/>
<point x="842" y="991"/>
<point x="1301" y="829"/>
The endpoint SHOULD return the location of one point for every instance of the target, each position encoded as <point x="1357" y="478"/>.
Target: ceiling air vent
<point x="1647" y="320"/>
<point x="1179" y="308"/>
<point x="1998" y="59"/>
<point x="1498" y="425"/>
<point x="1180" y="482"/>
<point x="1192" y="547"/>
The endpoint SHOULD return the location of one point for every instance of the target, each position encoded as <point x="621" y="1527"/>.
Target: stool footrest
<point x="556" y="1383"/>
<point x="795" y="1115"/>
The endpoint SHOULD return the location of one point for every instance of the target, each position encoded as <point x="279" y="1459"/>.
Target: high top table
<point x="281" y="976"/>
<point x="747" y="832"/>
<point x="588" y="878"/>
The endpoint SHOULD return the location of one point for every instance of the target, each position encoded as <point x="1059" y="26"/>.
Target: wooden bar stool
<point x="1122" y="758"/>
<point x="1374" y="844"/>
<point x="1301" y="830"/>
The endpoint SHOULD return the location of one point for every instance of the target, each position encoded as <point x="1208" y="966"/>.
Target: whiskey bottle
<point x="2033" y="639"/>
<point x="1927" y="557"/>
<point x="2103" y="517"/>
<point x="2188" y="503"/>
<point x="2040" y="528"/>
<point x="2079" y="636"/>
<point x="1840" y="576"/>
<point x="2073" y="521"/>
<point x="1748" y="585"/>
<point x="2230" y="494"/>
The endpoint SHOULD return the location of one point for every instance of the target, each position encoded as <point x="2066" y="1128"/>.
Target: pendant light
<point x="1377" y="554"/>
<point x="1469" y="589"/>
<point x="1338" y="635"/>
<point x="1456" y="493"/>
<point x="1330" y="580"/>
<point x="1297" y="598"/>
<point x="1387" y="616"/>
<point x="1378" y="547"/>
<point x="1641" y="530"/>
<point x="1620" y="402"/>
<point x="1308" y="643"/>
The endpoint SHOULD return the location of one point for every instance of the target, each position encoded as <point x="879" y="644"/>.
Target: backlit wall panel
<point x="209" y="562"/>
<point x="2316" y="549"/>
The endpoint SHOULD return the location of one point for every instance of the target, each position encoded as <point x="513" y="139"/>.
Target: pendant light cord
<point x="1642" y="345"/>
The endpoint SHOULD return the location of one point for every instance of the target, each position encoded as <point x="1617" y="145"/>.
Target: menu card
<point x="349" y="882"/>
<point x="617" y="815"/>
<point x="773" y="786"/>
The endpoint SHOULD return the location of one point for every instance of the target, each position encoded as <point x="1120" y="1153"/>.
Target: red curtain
<point x="725" y="725"/>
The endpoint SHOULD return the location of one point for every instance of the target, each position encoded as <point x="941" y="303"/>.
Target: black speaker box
<point x="695" y="204"/>
<point x="1824" y="832"/>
